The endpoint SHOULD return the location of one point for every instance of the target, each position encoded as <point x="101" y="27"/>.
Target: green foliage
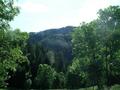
<point x="28" y="83"/>
<point x="59" y="81"/>
<point x="8" y="10"/>
<point x="37" y="54"/>
<point x="7" y="13"/>
<point x="26" y="64"/>
<point x="11" y="55"/>
<point x="98" y="43"/>
<point x="45" y="77"/>
<point x="76" y="73"/>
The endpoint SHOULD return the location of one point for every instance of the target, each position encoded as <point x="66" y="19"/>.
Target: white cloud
<point x="55" y="14"/>
<point x="33" y="7"/>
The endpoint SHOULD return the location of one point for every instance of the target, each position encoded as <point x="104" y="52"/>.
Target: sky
<point x="39" y="15"/>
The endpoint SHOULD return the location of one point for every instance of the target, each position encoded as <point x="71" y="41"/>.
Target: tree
<point x="37" y="54"/>
<point x="11" y="55"/>
<point x="76" y="74"/>
<point x="45" y="77"/>
<point x="109" y="20"/>
<point x="8" y="12"/>
<point x="59" y="81"/>
<point x="21" y="72"/>
<point x="98" y="42"/>
<point x="87" y="46"/>
<point x="60" y="64"/>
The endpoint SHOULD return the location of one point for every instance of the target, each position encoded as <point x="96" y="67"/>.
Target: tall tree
<point x="11" y="55"/>
<point x="86" y="46"/>
<point x="98" y="42"/>
<point x="109" y="21"/>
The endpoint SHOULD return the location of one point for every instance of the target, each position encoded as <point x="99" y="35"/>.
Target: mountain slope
<point x="57" y="40"/>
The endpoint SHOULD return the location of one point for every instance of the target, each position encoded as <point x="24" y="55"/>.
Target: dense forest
<point x="65" y="58"/>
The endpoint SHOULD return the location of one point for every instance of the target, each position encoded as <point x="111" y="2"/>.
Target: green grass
<point x="115" y="87"/>
<point x="89" y="88"/>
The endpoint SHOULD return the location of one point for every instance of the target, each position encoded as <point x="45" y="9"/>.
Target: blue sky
<point x="38" y="15"/>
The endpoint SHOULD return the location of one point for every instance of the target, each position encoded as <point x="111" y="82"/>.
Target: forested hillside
<point x="56" y="40"/>
<point x="85" y="57"/>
